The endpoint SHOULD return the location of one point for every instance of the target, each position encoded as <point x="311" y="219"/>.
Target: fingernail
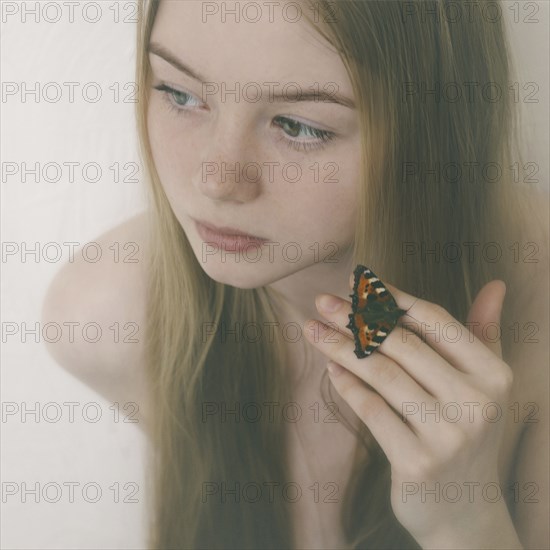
<point x="334" y="368"/>
<point x="328" y="302"/>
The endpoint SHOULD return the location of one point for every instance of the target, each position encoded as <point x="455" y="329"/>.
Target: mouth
<point x="227" y="238"/>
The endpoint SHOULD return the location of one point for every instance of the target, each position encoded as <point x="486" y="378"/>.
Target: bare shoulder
<point x="529" y="322"/>
<point x="527" y="330"/>
<point x="104" y="303"/>
<point x="531" y="405"/>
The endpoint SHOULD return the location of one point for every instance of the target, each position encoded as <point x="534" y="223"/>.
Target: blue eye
<point x="294" y="129"/>
<point x="177" y="101"/>
<point x="182" y="103"/>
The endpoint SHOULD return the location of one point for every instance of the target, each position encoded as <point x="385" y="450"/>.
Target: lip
<point x="228" y="238"/>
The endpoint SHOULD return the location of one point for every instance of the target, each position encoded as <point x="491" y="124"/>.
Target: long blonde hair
<point x="403" y="212"/>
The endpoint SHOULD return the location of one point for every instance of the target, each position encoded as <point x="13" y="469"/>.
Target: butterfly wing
<point x="374" y="311"/>
<point x="368" y="335"/>
<point x="369" y="291"/>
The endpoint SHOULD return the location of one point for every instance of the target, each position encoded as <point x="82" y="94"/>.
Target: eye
<point x="296" y="129"/>
<point x="177" y="101"/>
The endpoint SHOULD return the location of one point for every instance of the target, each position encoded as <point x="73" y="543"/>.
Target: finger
<point x="404" y="347"/>
<point x="383" y="374"/>
<point x="335" y="309"/>
<point x="432" y="371"/>
<point x="393" y="435"/>
<point x="450" y="338"/>
<point x="484" y="316"/>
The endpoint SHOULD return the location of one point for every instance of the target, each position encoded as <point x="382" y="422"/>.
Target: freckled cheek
<point x="173" y="155"/>
<point x="320" y="212"/>
<point x="337" y="214"/>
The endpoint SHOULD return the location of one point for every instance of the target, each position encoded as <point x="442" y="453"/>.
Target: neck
<point x="296" y="305"/>
<point x="298" y="291"/>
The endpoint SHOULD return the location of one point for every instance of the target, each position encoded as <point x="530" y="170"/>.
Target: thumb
<point x="485" y="314"/>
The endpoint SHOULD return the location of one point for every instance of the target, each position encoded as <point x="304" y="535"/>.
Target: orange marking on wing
<point x="362" y="291"/>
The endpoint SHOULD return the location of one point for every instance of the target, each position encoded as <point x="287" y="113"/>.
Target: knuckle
<point x="431" y="309"/>
<point x="422" y="467"/>
<point x="414" y="342"/>
<point x="504" y="379"/>
<point x="347" y="389"/>
<point x="341" y="347"/>
<point x="438" y="310"/>
<point x="331" y="334"/>
<point x="384" y="372"/>
<point x="501" y="377"/>
<point x="369" y="408"/>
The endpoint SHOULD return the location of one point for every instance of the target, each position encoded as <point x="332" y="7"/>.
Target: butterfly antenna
<point x="407" y="314"/>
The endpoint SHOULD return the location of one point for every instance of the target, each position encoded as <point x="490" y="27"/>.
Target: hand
<point x="436" y="390"/>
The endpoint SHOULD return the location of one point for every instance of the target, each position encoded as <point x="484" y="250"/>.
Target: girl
<point x="285" y="143"/>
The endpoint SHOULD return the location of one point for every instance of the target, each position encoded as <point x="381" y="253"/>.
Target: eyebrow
<point x="168" y="56"/>
<point x="294" y="96"/>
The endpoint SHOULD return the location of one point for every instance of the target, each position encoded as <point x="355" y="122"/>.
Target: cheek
<point x="325" y="208"/>
<point x="332" y="212"/>
<point x="172" y="152"/>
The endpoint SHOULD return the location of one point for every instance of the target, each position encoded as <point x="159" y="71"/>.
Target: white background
<point x="104" y="132"/>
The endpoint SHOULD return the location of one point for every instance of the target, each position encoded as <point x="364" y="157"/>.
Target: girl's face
<point x="252" y="127"/>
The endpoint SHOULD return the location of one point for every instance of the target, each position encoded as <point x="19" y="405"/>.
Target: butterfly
<point x="374" y="312"/>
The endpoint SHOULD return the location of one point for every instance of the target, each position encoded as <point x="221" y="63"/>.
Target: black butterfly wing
<point x="374" y="312"/>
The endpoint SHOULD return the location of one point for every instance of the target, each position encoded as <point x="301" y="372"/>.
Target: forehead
<point x="263" y="45"/>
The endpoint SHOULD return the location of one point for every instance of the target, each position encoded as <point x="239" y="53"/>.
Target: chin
<point x="247" y="275"/>
<point x="238" y="275"/>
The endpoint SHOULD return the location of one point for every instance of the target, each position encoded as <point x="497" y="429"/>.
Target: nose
<point x="228" y="171"/>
